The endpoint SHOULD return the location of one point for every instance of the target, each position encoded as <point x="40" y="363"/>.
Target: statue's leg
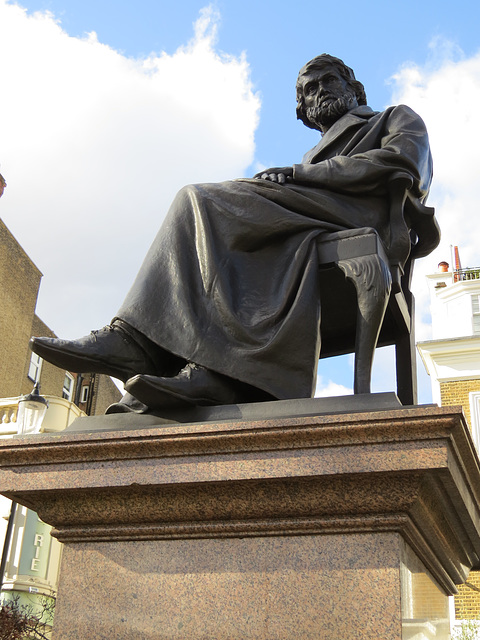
<point x="229" y="284"/>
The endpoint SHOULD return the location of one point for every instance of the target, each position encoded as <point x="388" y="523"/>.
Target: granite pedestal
<point x="337" y="526"/>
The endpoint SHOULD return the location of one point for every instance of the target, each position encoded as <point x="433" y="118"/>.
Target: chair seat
<point x="349" y="243"/>
<point x="359" y="310"/>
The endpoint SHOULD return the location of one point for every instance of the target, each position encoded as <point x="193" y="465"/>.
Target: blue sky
<point x="374" y="37"/>
<point x="94" y="129"/>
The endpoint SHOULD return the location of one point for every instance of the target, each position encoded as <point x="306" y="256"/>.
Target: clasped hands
<point x="281" y="175"/>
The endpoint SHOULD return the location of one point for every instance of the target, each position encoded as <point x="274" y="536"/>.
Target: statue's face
<point x="321" y="87"/>
<point x="326" y="95"/>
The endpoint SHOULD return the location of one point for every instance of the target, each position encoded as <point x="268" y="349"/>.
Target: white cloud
<point x="446" y="93"/>
<point x="94" y="145"/>
<point x="327" y="389"/>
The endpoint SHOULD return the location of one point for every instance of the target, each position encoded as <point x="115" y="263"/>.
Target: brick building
<point x="19" y="368"/>
<point x="452" y="359"/>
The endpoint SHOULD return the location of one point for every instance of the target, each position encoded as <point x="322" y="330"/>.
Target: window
<point x="35" y="368"/>
<point x="474" y="397"/>
<point x="84" y="395"/>
<point x="68" y="385"/>
<point x="476" y="313"/>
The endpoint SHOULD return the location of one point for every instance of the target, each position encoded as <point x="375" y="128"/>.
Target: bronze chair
<point x="365" y="295"/>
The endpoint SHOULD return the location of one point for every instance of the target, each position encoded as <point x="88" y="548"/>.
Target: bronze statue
<point x="225" y="308"/>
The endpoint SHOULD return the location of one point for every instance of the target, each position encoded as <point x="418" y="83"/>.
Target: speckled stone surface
<point x="305" y="587"/>
<point x="287" y="528"/>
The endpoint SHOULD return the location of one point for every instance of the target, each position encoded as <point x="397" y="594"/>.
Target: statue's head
<point x="326" y="90"/>
<point x="3" y="184"/>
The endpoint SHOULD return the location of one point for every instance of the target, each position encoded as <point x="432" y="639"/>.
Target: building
<point x="30" y="556"/>
<point x="452" y="359"/>
<point x="19" y="368"/>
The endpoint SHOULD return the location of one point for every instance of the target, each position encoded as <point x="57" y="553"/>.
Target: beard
<point x="330" y="110"/>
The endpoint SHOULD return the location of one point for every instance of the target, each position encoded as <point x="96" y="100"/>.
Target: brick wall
<point x="20" y="280"/>
<point x="51" y="378"/>
<point x="106" y="393"/>
<point x="467" y="601"/>
<point x="455" y="392"/>
<point x="429" y="602"/>
<point x="102" y="393"/>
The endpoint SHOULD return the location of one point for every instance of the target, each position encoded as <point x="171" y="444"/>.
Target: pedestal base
<point x="343" y="526"/>
<point x="302" y="587"/>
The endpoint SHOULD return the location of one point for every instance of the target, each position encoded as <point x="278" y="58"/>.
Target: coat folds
<point x="231" y="280"/>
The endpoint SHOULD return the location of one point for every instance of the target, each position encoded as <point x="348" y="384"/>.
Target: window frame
<point x="35" y="363"/>
<point x="67" y="392"/>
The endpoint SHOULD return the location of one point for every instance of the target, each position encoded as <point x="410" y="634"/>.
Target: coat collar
<point x="353" y="118"/>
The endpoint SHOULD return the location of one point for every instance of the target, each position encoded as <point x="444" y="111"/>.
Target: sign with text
<point x="35" y="547"/>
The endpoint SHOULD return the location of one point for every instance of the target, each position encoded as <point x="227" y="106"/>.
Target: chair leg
<point x="372" y="279"/>
<point x="406" y="359"/>
<point x="405" y="355"/>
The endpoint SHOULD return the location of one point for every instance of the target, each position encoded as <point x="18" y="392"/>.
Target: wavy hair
<point x="345" y="72"/>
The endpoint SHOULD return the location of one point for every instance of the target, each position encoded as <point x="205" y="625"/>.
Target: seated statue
<point x="226" y="306"/>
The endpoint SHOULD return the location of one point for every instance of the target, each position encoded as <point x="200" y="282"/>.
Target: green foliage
<point x="24" y="622"/>
<point x="468" y="630"/>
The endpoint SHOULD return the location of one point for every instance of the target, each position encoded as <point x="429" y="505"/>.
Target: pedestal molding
<point x="229" y="437"/>
<point x="399" y="523"/>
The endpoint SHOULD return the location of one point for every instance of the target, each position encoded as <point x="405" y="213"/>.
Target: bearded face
<point x="324" y="96"/>
<point x="330" y="109"/>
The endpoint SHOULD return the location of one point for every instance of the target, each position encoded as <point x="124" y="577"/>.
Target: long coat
<point x="231" y="280"/>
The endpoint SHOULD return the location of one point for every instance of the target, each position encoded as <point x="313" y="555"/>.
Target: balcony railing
<point x="466" y="274"/>
<point x="59" y="415"/>
<point x="8" y="415"/>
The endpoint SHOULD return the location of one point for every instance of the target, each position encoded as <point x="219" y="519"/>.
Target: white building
<point x="30" y="557"/>
<point x="452" y="359"/>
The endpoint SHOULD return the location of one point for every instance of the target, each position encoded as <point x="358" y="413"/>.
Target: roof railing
<point x="466" y="274"/>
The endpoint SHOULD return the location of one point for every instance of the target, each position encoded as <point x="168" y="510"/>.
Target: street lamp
<point x="31" y="411"/>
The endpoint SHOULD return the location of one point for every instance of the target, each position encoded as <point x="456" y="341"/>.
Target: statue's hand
<point x="281" y="175"/>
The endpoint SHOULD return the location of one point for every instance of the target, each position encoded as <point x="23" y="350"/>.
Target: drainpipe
<point x="6" y="544"/>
